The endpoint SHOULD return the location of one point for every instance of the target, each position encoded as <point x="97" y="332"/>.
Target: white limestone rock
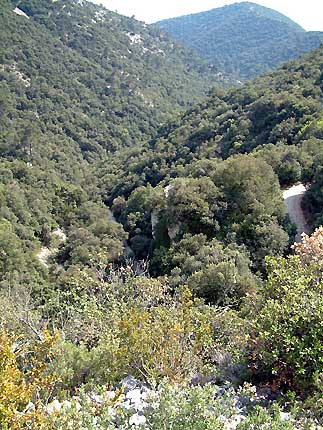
<point x="20" y="12"/>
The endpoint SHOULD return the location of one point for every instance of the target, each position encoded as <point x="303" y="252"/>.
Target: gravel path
<point x="293" y="198"/>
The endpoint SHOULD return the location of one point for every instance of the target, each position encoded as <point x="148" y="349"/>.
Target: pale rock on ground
<point x="20" y="12"/>
<point x="137" y="397"/>
<point x="45" y="253"/>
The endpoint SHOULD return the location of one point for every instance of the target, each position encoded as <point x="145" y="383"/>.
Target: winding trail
<point x="293" y="199"/>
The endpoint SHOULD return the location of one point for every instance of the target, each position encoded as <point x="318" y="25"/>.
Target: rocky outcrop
<point x="20" y="12"/>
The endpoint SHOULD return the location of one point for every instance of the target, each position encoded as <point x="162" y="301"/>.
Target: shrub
<point x="163" y="341"/>
<point x="24" y="383"/>
<point x="287" y="331"/>
<point x="174" y="339"/>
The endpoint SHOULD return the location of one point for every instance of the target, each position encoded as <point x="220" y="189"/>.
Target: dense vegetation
<point x="66" y="102"/>
<point x="243" y="39"/>
<point x="161" y="252"/>
<point x="121" y="77"/>
<point x="223" y="163"/>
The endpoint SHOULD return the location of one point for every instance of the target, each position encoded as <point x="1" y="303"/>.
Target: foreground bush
<point x="24" y="385"/>
<point x="175" y="341"/>
<point x="288" y="332"/>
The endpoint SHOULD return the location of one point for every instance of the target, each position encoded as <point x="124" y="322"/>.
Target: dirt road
<point x="293" y="198"/>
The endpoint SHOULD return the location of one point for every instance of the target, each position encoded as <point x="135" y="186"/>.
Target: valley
<point x="153" y="272"/>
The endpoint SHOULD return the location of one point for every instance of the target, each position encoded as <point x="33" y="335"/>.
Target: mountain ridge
<point x="77" y="83"/>
<point x="260" y="10"/>
<point x="244" y="39"/>
<point x="142" y="72"/>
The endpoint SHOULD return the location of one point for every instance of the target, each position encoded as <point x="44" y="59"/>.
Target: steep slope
<point x="201" y="207"/>
<point x="126" y="77"/>
<point x="244" y="39"/>
<point x="282" y="109"/>
<point x="211" y="170"/>
<point x="76" y="82"/>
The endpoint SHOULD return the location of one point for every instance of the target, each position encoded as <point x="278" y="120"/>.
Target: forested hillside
<point x="129" y="75"/>
<point x="243" y="39"/>
<point x="223" y="163"/>
<point x="147" y="278"/>
<point x="77" y="82"/>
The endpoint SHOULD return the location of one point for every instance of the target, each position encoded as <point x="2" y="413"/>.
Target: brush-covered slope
<point x="76" y="82"/>
<point x="280" y="108"/>
<point x="120" y="77"/>
<point x="244" y="39"/>
<point x="221" y="162"/>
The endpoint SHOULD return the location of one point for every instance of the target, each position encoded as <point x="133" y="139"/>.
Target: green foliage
<point x="273" y="121"/>
<point x="119" y="90"/>
<point x="174" y="341"/>
<point x="288" y="329"/>
<point x="66" y="98"/>
<point x="314" y="197"/>
<point x="219" y="274"/>
<point x="236" y="201"/>
<point x="192" y="408"/>
<point x="135" y="325"/>
<point x="261" y="418"/>
<point x="194" y="203"/>
<point x="154" y="286"/>
<point x="266" y="116"/>
<point x="243" y="39"/>
<point x="292" y="163"/>
<point x="178" y="408"/>
<point x="23" y="381"/>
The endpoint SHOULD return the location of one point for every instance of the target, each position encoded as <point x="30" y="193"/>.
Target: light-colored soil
<point x="293" y="199"/>
<point x="45" y="253"/>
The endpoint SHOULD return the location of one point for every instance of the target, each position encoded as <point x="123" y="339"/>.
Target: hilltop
<point x="243" y="39"/>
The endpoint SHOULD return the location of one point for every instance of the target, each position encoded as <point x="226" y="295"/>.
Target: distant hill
<point x="244" y="39"/>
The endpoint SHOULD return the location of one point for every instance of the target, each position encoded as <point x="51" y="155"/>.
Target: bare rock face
<point x="154" y="219"/>
<point x="20" y="12"/>
<point x="173" y="231"/>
